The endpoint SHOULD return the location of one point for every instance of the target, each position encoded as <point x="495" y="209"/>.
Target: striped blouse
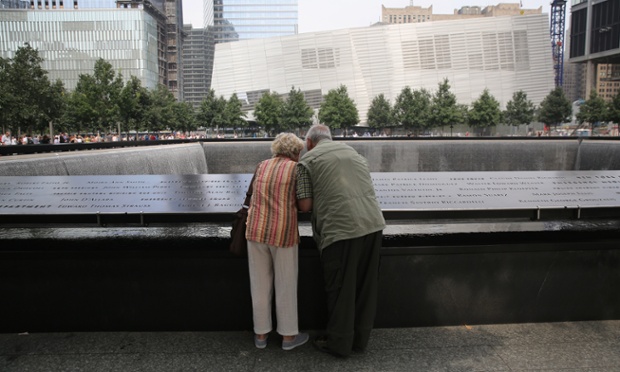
<point x="272" y="217"/>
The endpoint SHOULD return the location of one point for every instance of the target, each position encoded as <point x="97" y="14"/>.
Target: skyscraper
<point x="231" y="20"/>
<point x="197" y="63"/>
<point x="174" y="53"/>
<point x="253" y="19"/>
<point x="595" y="39"/>
<point x="207" y="13"/>
<point x="14" y="4"/>
<point x="71" y="41"/>
<point x="72" y="34"/>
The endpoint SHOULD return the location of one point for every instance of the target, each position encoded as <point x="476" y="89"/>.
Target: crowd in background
<point x="8" y="139"/>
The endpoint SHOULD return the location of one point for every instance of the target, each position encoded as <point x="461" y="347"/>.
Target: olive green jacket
<point x="344" y="205"/>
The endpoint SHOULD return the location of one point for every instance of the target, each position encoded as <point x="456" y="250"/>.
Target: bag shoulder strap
<point x="248" y="194"/>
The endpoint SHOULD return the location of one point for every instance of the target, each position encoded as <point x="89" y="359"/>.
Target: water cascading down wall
<point x="508" y="261"/>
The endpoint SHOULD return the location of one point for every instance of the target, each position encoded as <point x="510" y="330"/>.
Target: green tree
<point x="160" y="114"/>
<point x="555" y="108"/>
<point x="404" y="113"/>
<point x="413" y="109"/>
<point x="338" y="110"/>
<point x="184" y="117"/>
<point x="380" y="114"/>
<point x="211" y="112"/>
<point x="613" y="109"/>
<point x="26" y="90"/>
<point x="59" y="123"/>
<point x="593" y="110"/>
<point x="295" y="112"/>
<point x="220" y="113"/>
<point x="268" y="111"/>
<point x="206" y="114"/>
<point x="444" y="109"/>
<point x="108" y="87"/>
<point x="233" y="114"/>
<point x="53" y="106"/>
<point x="519" y="110"/>
<point x="5" y="92"/>
<point x="134" y="104"/>
<point x="484" y="114"/>
<point x="79" y="114"/>
<point x="101" y="91"/>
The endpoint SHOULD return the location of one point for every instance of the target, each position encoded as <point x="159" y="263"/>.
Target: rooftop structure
<point x="417" y="14"/>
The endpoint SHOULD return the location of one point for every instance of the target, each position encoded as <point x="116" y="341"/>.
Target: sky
<point x="323" y="15"/>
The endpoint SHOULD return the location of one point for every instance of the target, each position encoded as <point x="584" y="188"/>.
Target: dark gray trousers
<point x="351" y="276"/>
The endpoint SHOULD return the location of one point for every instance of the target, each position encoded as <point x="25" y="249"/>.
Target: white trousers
<point x="273" y="267"/>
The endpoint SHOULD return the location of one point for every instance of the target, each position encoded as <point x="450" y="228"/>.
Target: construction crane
<point x="558" y="24"/>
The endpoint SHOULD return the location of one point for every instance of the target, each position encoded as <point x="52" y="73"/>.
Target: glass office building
<point x="14" y="4"/>
<point x="67" y="4"/>
<point x="71" y="41"/>
<point x="226" y="21"/>
<point x="253" y="19"/>
<point x="197" y="64"/>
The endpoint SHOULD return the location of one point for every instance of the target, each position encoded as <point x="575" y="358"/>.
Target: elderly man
<point x="333" y="181"/>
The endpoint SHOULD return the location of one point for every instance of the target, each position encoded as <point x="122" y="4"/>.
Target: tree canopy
<point x="296" y="113"/>
<point x="380" y="114"/>
<point x="485" y="113"/>
<point x="445" y="110"/>
<point x="133" y="106"/>
<point x="338" y="110"/>
<point x="98" y="94"/>
<point x="28" y="100"/>
<point x="234" y="116"/>
<point x="613" y="109"/>
<point x="161" y="113"/>
<point x="555" y="108"/>
<point x="593" y="110"/>
<point x="519" y="110"/>
<point x="268" y="111"/>
<point x="211" y="112"/>
<point x="413" y="109"/>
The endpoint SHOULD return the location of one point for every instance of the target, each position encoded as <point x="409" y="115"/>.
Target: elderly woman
<point x="273" y="239"/>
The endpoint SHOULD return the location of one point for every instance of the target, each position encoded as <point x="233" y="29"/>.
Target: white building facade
<point x="503" y="54"/>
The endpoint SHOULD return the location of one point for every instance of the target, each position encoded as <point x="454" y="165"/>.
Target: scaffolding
<point x="558" y="23"/>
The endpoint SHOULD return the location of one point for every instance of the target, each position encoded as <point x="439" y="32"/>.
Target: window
<point x="605" y="26"/>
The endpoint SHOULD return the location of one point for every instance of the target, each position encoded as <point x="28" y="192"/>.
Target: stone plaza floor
<point x="571" y="346"/>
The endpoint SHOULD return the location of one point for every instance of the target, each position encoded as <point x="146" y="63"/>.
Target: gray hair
<point x="318" y="132"/>
<point x="287" y="144"/>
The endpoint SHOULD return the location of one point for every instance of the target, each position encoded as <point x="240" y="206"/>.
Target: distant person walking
<point x="273" y="243"/>
<point x="333" y="181"/>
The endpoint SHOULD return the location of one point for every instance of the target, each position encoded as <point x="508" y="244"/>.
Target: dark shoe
<point x="321" y="344"/>
<point x="300" y="339"/>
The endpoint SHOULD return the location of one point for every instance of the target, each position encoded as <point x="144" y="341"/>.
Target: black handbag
<point x="238" y="242"/>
